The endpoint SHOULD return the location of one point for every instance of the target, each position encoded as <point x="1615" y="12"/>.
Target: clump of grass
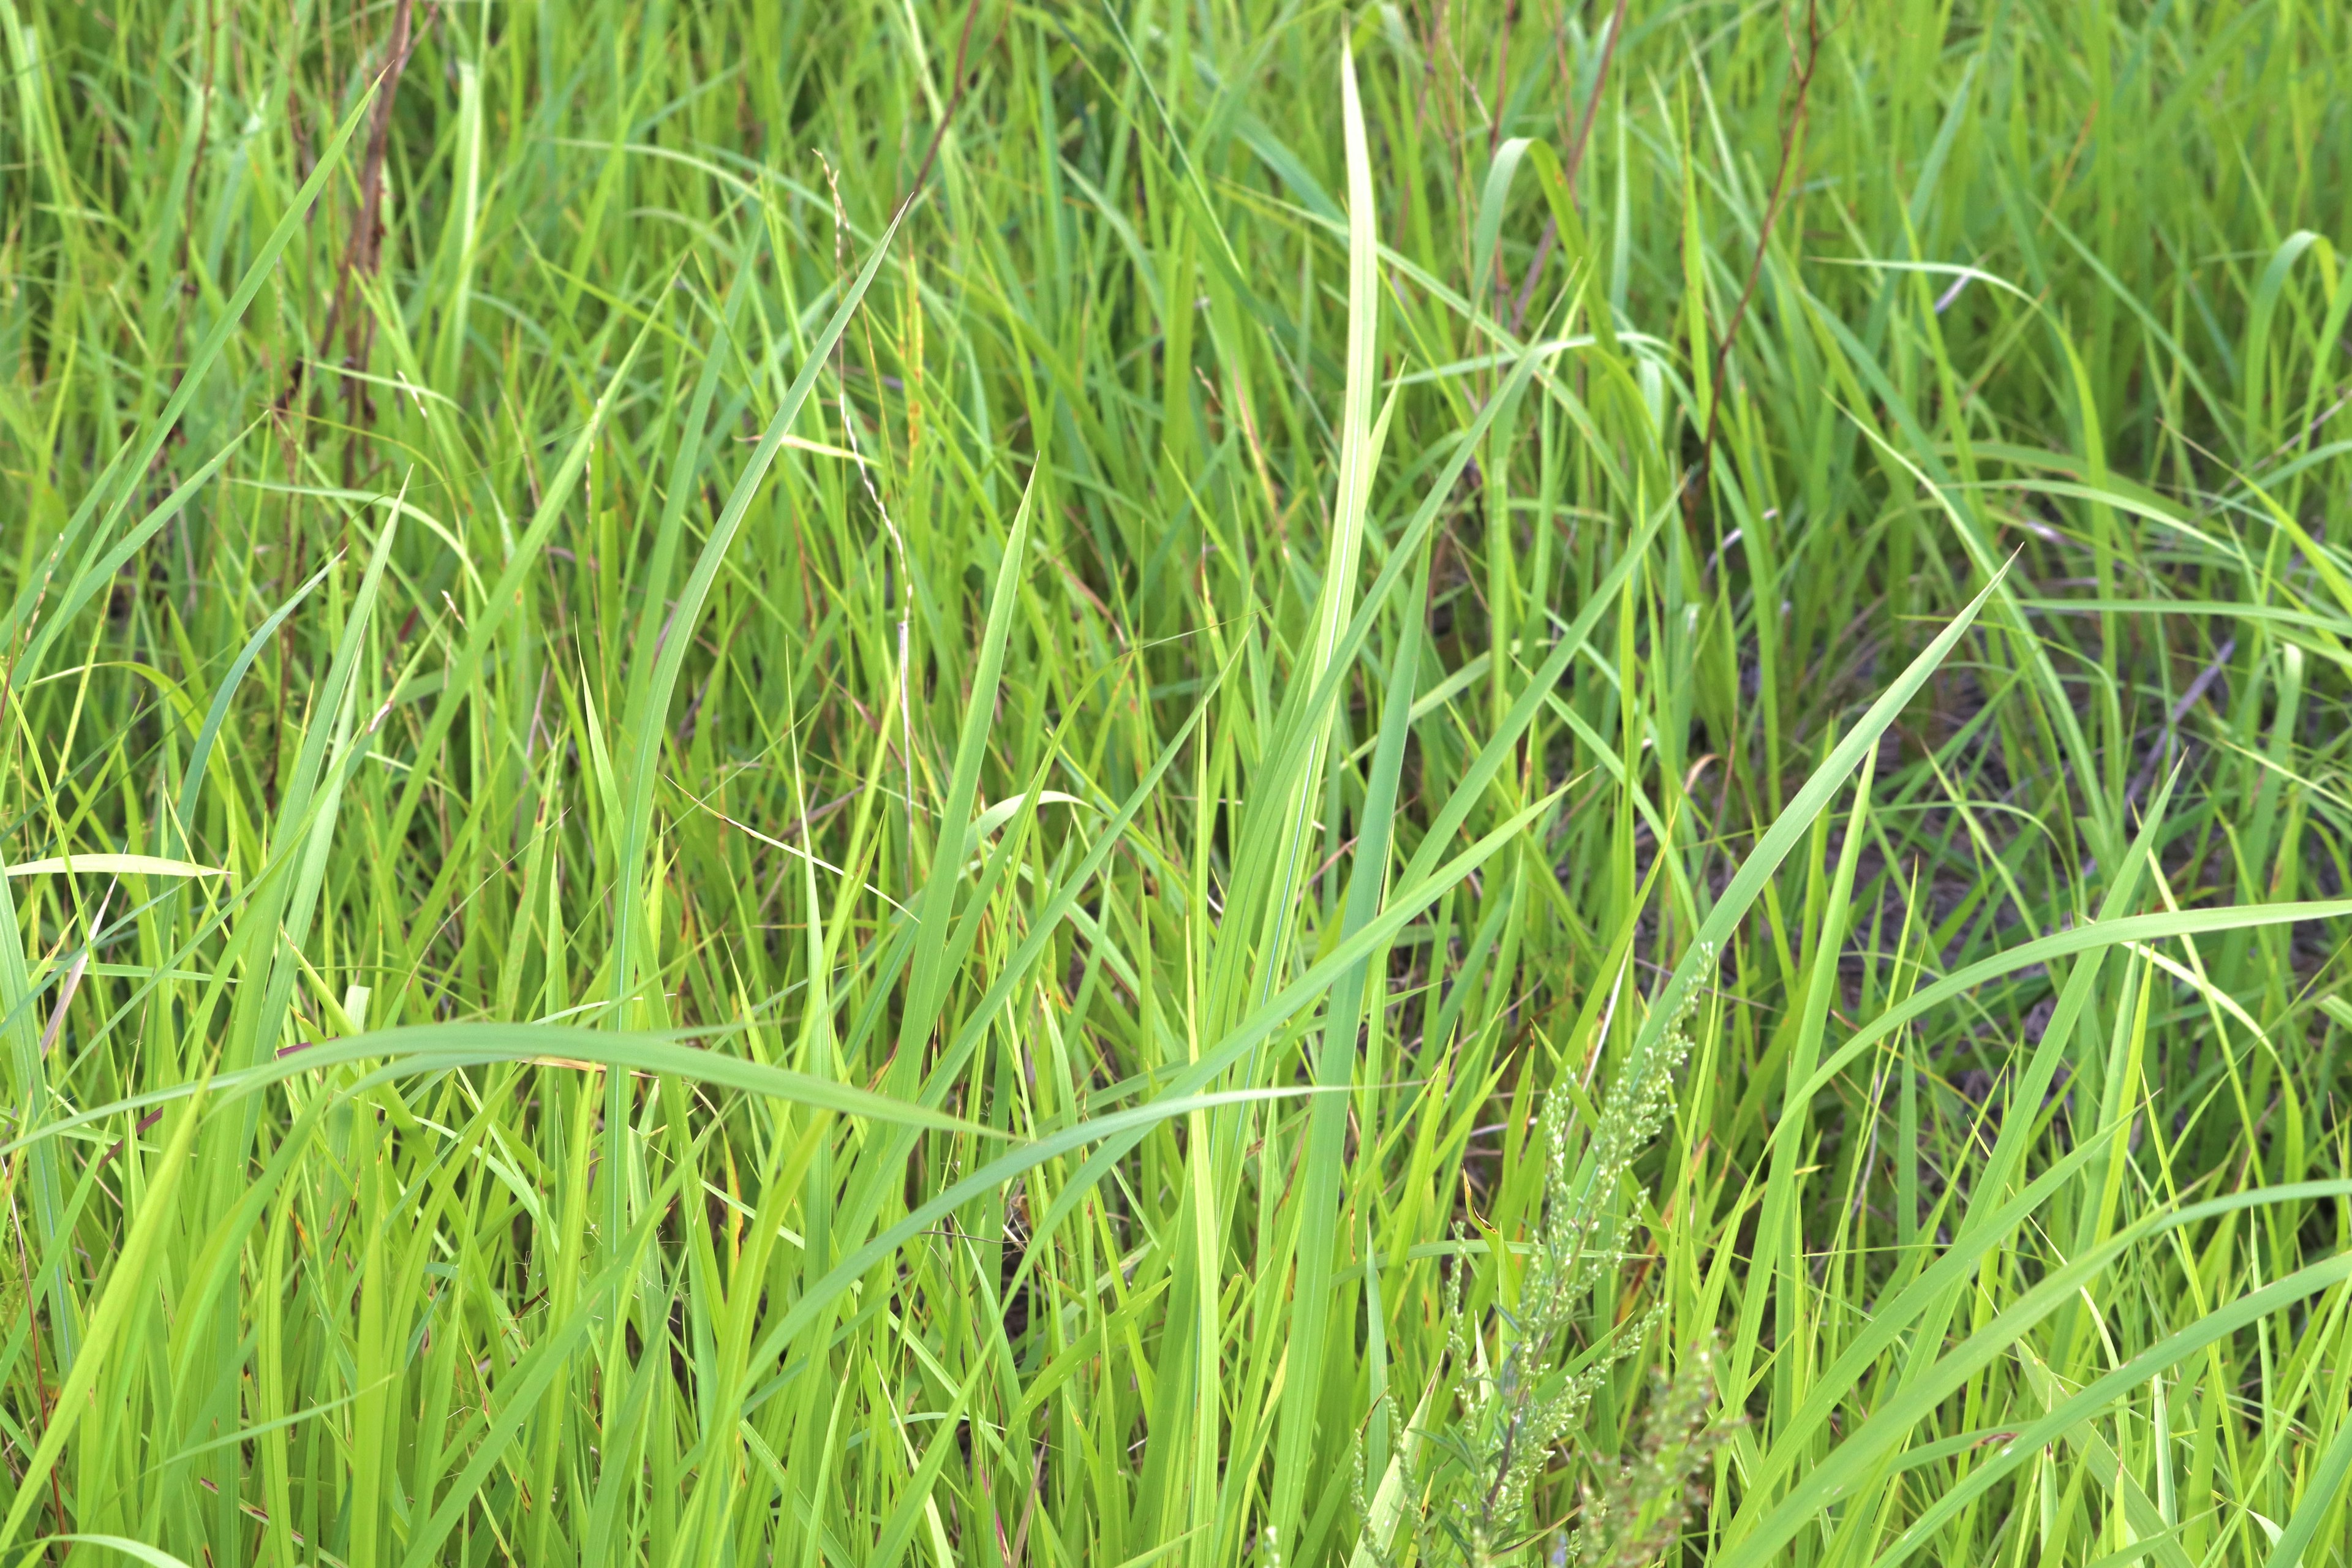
<point x="862" y="784"/>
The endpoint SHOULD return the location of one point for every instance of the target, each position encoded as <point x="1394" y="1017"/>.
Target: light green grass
<point x="1145" y="872"/>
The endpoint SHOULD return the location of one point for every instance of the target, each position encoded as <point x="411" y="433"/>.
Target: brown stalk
<point x="1600" y="81"/>
<point x="1502" y="80"/>
<point x="955" y="101"/>
<point x="361" y="254"/>
<point x="1570" y="165"/>
<point x="1792" y="129"/>
<point x="196" y="165"/>
<point x="1500" y="285"/>
<point x="33" y="1333"/>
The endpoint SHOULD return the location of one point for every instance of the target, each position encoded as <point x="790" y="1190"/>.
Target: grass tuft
<point x="859" y="784"/>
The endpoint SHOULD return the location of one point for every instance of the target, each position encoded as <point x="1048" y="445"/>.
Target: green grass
<point x="1429" y="784"/>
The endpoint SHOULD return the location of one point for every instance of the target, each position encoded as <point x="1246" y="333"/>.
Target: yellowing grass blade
<point x="112" y="865"/>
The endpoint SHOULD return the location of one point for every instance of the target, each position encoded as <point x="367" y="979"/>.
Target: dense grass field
<point x="1099" y="784"/>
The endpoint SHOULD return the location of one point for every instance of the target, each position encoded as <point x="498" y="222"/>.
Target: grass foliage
<point x="889" y="783"/>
